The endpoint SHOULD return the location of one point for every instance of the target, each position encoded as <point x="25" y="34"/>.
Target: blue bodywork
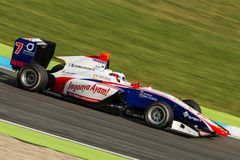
<point x="137" y="98"/>
<point x="141" y="99"/>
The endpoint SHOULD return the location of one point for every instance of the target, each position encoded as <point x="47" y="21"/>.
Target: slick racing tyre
<point x="159" y="115"/>
<point x="32" y="77"/>
<point x="193" y="104"/>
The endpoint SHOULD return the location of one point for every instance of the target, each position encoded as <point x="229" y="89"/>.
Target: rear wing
<point x="28" y="50"/>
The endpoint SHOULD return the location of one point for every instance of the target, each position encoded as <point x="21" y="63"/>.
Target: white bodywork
<point x="84" y="72"/>
<point x="81" y="69"/>
<point x="84" y="67"/>
<point x="180" y="127"/>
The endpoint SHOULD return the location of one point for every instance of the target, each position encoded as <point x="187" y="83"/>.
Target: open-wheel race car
<point x="88" y="80"/>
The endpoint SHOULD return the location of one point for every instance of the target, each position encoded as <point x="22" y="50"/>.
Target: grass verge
<point x="221" y="117"/>
<point x="187" y="48"/>
<point x="58" y="144"/>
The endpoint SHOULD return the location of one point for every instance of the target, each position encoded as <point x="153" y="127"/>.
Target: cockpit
<point x="120" y="77"/>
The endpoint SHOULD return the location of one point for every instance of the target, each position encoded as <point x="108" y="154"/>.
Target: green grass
<point x="56" y="143"/>
<point x="221" y="117"/>
<point x="187" y="48"/>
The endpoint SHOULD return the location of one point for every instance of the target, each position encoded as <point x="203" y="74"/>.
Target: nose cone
<point x="220" y="130"/>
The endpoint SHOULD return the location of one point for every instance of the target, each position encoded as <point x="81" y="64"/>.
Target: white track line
<point x="7" y="69"/>
<point x="234" y="131"/>
<point x="70" y="140"/>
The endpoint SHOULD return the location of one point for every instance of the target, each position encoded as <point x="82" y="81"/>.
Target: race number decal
<point x="19" y="47"/>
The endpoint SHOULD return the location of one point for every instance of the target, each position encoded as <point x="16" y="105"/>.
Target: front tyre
<point x="159" y="115"/>
<point x="193" y="104"/>
<point x="32" y="77"/>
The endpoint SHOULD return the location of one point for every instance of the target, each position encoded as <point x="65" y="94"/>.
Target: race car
<point x="88" y="80"/>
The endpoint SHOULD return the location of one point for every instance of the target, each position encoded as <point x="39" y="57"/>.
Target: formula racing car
<point x="88" y="80"/>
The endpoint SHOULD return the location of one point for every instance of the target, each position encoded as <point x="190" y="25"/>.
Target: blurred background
<point x="188" y="48"/>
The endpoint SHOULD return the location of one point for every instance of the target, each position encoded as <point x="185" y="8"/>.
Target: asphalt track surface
<point x="104" y="130"/>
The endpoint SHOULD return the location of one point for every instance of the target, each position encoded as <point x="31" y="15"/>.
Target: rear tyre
<point x="193" y="104"/>
<point x="159" y="115"/>
<point x="32" y="77"/>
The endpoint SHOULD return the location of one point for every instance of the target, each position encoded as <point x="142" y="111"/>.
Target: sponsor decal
<point x="81" y="67"/>
<point x="97" y="76"/>
<point x="98" y="67"/>
<point x="95" y="89"/>
<point x="99" y="61"/>
<point x="17" y="63"/>
<point x="67" y="72"/>
<point x="28" y="49"/>
<point x="143" y="94"/>
<point x="186" y="115"/>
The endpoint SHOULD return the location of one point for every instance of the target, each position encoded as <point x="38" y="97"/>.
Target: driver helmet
<point x="120" y="77"/>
